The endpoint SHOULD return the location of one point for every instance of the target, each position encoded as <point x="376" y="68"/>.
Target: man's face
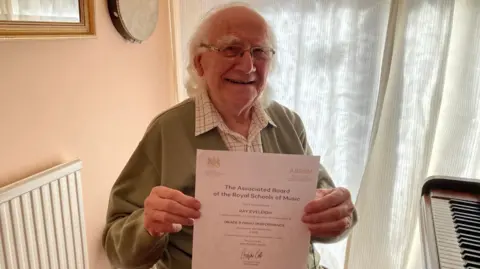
<point x="235" y="82"/>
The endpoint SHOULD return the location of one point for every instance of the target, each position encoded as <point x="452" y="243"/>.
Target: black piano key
<point x="470" y="252"/>
<point x="472" y="229"/>
<point x="466" y="216"/>
<point x="470" y="247"/>
<point x="464" y="202"/>
<point x="468" y="240"/>
<point x="465" y="206"/>
<point x="471" y="258"/>
<point x="467" y="234"/>
<point x="466" y="211"/>
<point x="470" y="210"/>
<point x="472" y="264"/>
<point x="465" y="219"/>
<point x="466" y="223"/>
<point x="469" y="206"/>
<point x="467" y="231"/>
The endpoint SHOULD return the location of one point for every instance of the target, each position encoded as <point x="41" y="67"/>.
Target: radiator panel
<point x="42" y="221"/>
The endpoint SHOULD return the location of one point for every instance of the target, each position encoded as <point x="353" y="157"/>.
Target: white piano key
<point x="450" y="266"/>
<point x="458" y="264"/>
<point x="450" y="256"/>
<point x="446" y="242"/>
<point x="448" y="248"/>
<point x="446" y="233"/>
<point x="445" y="229"/>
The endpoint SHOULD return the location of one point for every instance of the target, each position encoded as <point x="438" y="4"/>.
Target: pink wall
<point x="90" y="99"/>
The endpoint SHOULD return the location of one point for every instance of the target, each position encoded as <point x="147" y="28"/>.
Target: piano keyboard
<point x="451" y="223"/>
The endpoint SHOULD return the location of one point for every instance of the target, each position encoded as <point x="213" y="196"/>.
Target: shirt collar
<point x="207" y="116"/>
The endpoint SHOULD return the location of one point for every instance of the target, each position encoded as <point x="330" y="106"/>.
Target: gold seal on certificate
<point x="252" y="205"/>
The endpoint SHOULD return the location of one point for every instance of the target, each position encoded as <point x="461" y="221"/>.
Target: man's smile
<point x="235" y="81"/>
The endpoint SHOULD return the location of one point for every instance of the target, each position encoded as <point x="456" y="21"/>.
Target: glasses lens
<point x="262" y="53"/>
<point x="231" y="51"/>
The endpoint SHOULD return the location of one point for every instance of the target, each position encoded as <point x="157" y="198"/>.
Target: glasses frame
<point x="219" y="50"/>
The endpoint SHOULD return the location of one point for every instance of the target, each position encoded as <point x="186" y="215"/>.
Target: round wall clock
<point x="135" y="20"/>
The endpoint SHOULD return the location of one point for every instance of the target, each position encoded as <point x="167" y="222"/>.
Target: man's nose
<point x="246" y="62"/>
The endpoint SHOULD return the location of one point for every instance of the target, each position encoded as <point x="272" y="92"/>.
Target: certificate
<point x="252" y="206"/>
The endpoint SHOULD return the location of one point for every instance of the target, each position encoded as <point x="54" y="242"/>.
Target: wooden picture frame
<point x="16" y="29"/>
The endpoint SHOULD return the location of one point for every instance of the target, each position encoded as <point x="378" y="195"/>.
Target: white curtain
<point x="389" y="93"/>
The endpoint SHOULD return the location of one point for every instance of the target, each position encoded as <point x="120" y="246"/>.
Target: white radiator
<point x="42" y="221"/>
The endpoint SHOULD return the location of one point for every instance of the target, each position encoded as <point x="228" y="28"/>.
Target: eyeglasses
<point x="231" y="51"/>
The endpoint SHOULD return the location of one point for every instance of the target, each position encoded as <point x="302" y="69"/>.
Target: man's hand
<point x="330" y="214"/>
<point x="166" y="210"/>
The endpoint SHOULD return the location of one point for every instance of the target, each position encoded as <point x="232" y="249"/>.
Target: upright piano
<point x="450" y="221"/>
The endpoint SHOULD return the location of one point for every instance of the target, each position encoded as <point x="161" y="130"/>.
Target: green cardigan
<point x="166" y="156"/>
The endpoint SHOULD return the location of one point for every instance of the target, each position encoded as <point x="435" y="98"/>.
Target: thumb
<point x="322" y="192"/>
<point x="166" y="228"/>
<point x="176" y="227"/>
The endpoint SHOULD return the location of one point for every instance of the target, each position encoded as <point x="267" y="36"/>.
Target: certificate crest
<point x="213" y="162"/>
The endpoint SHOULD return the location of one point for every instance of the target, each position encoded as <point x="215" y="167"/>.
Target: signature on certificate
<point x="251" y="255"/>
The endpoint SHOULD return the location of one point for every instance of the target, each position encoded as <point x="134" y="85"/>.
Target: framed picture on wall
<point x="46" y="18"/>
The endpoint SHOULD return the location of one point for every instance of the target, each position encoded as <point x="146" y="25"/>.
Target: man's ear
<point x="197" y="62"/>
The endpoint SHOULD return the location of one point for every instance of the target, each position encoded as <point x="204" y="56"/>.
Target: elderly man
<point x="152" y="206"/>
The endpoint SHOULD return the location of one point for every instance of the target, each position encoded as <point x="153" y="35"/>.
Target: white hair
<point x="194" y="83"/>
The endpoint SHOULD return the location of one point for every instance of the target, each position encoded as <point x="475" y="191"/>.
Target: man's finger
<point x="176" y="195"/>
<point x="320" y="193"/>
<point x="154" y="202"/>
<point x="332" y="214"/>
<point x="176" y="208"/>
<point x="168" y="218"/>
<point x="334" y="198"/>
<point x="158" y="229"/>
<point x="334" y="228"/>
